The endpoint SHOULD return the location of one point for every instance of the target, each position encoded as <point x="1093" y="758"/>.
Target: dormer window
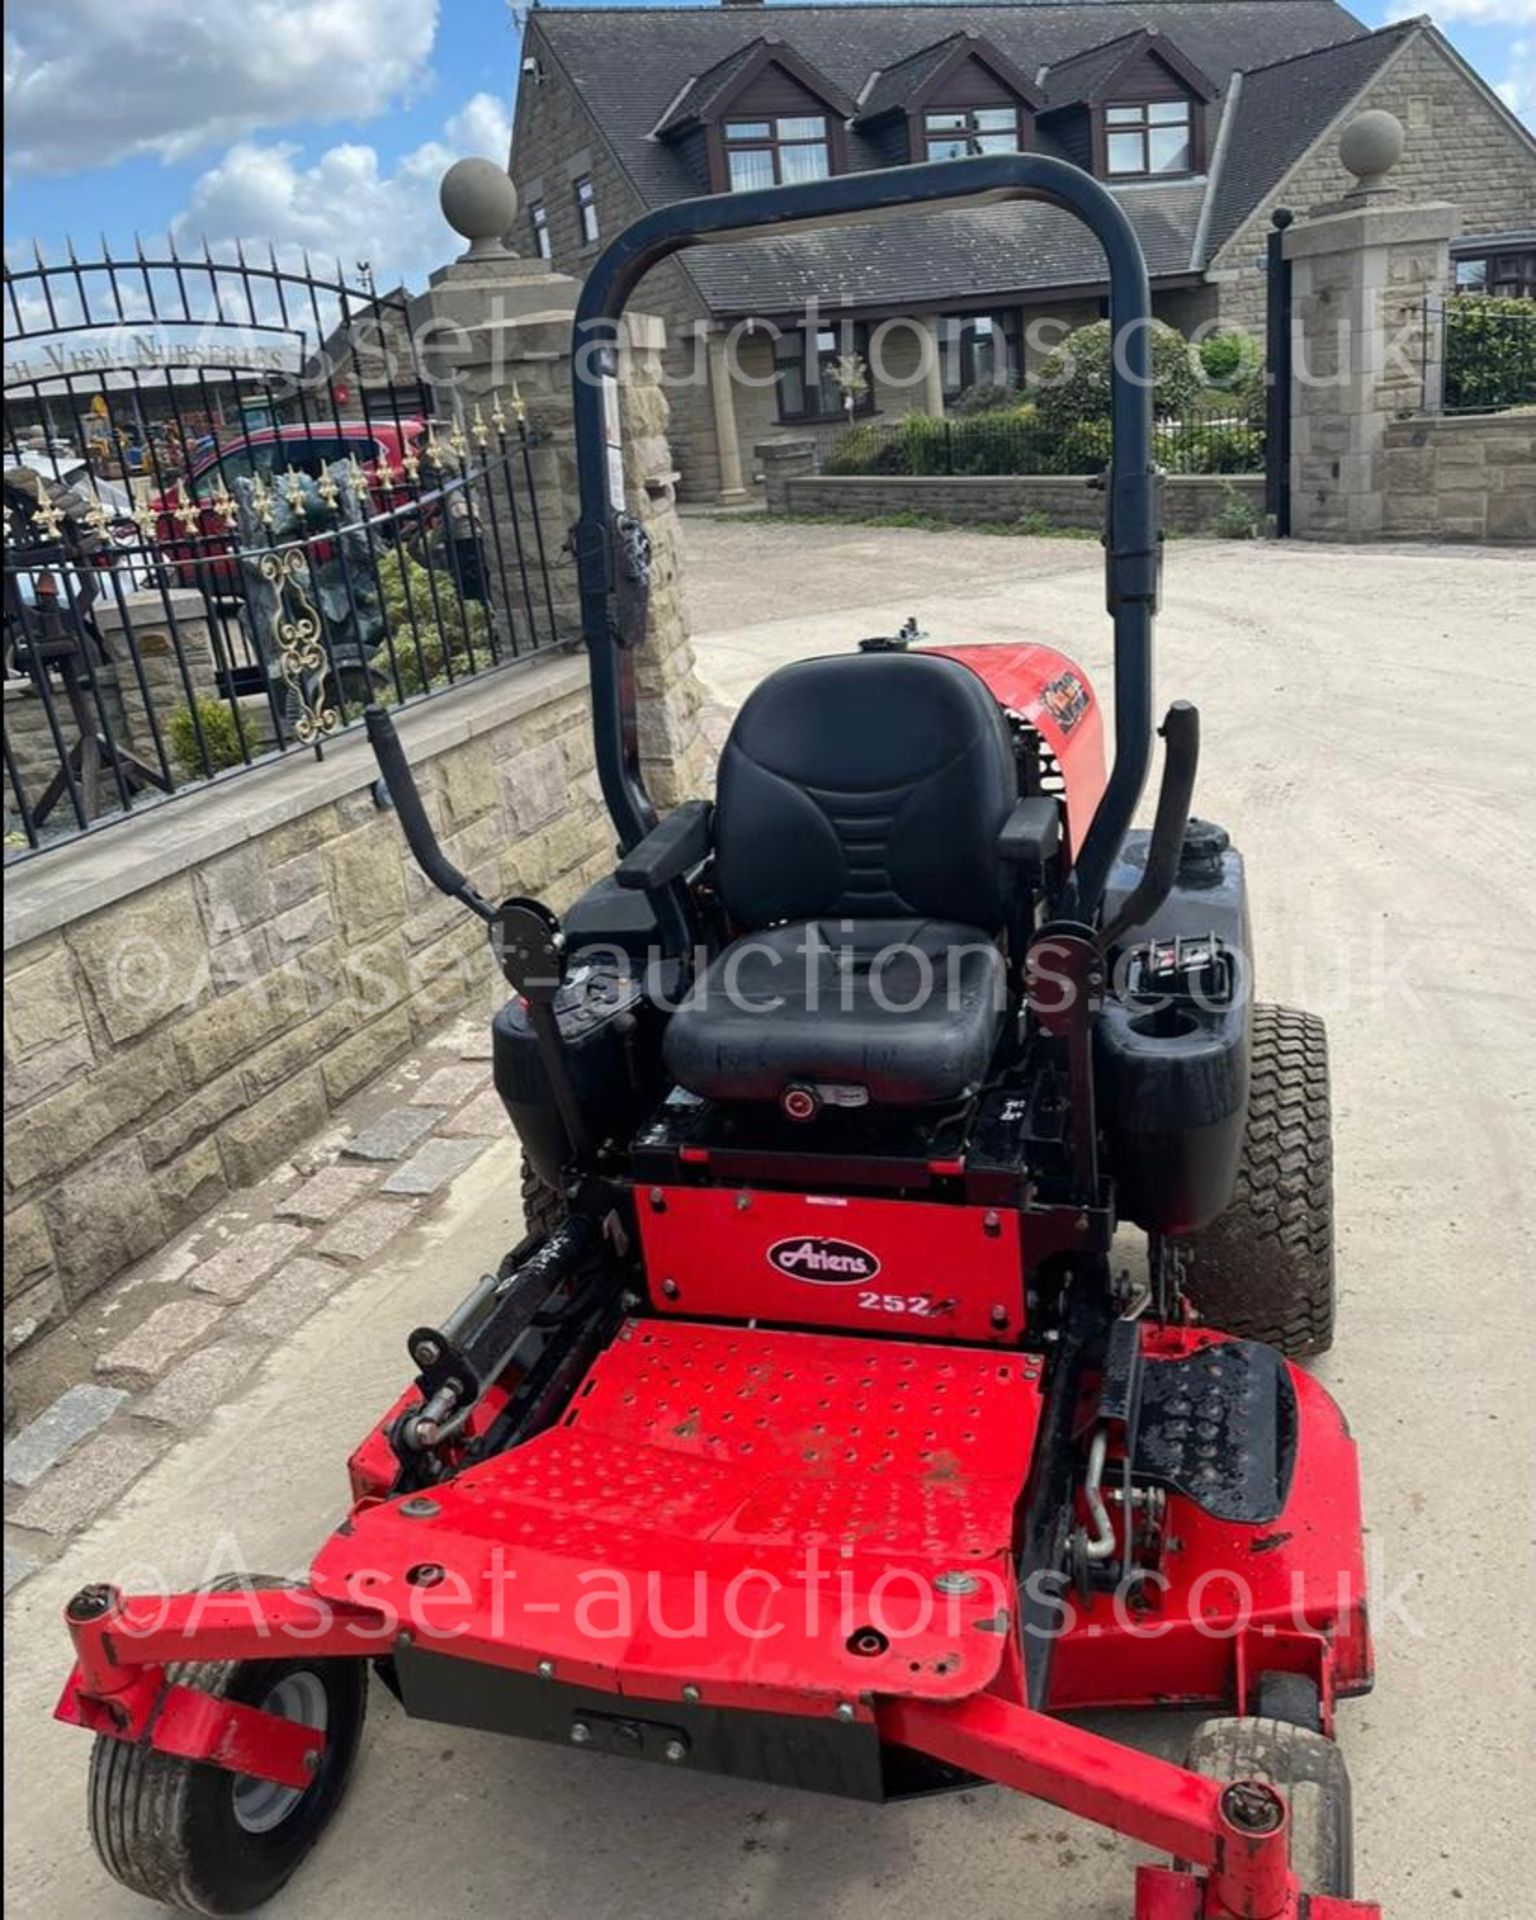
<point x="778" y="150"/>
<point x="761" y="117"/>
<point x="1151" y="137"/>
<point x="954" y="133"/>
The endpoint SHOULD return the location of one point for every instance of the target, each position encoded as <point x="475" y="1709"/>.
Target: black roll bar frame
<point x="1132" y="542"/>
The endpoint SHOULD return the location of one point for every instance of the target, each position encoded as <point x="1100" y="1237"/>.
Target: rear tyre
<point x="1309" y="1770"/>
<point x="201" y="1840"/>
<point x="1264" y="1270"/>
<point x="543" y="1206"/>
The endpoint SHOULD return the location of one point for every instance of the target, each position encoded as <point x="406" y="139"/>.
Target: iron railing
<point x="137" y="667"/>
<point x="231" y="520"/>
<point x="1002" y="442"/>
<point x="1486" y="352"/>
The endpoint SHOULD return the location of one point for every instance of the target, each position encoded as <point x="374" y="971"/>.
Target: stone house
<point x="1202" y="117"/>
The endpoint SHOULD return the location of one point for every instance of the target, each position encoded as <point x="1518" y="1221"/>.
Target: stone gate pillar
<point x="493" y="333"/>
<point x="1368" y="276"/>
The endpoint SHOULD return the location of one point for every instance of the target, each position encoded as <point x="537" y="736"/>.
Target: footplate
<point x="1220" y="1428"/>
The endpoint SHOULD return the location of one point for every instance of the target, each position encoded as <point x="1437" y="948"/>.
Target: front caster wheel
<point x="1309" y="1770"/>
<point x="200" y="1840"/>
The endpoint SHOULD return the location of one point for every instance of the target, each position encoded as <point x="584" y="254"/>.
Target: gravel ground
<point x="1368" y="724"/>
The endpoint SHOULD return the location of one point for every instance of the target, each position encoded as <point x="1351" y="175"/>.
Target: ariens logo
<point x="827" y="1263"/>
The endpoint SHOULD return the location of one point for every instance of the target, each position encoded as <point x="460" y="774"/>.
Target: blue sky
<point x="327" y="123"/>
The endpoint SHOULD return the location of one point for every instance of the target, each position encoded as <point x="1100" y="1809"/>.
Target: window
<point x="978" y="350"/>
<point x="807" y="363"/>
<point x="1511" y="275"/>
<point x="777" y="150"/>
<point x="1154" y="137"/>
<point x="952" y="133"/>
<point x="538" y="217"/>
<point x="220" y="475"/>
<point x="586" y="210"/>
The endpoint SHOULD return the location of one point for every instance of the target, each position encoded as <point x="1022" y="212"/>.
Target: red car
<point x="202" y="549"/>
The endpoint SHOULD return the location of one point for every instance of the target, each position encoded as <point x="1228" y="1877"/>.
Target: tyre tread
<point x="1264" y="1269"/>
<point x="1309" y="1769"/>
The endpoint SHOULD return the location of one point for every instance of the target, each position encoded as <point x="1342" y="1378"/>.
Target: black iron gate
<point x="231" y="520"/>
<point x="1277" y="422"/>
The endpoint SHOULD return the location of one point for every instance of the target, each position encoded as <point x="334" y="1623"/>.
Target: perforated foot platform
<point x="793" y="1490"/>
<point x="1220" y="1427"/>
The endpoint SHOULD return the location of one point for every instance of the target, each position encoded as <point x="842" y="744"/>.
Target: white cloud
<point x="1518" y="88"/>
<point x="483" y="125"/>
<point x="346" y="204"/>
<point x="89" y="82"/>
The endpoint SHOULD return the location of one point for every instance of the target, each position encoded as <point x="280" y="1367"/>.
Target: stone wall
<point x="1461" y="477"/>
<point x="1460" y="147"/>
<point x="1191" y="502"/>
<point x="264" y="957"/>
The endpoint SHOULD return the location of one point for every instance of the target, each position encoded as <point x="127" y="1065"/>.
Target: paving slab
<point x="323" y="1196"/>
<point x="17" y="1567"/>
<point x="438" y="1162"/>
<point x="254" y="1251"/>
<point x="291" y="1296"/>
<point x="87" y="1483"/>
<point x="43" y="1442"/>
<point x="452" y="1085"/>
<point x="367" y="1229"/>
<point x="194" y="1387"/>
<point x="393" y="1134"/>
<point x="485" y="1117"/>
<point x="144" y="1354"/>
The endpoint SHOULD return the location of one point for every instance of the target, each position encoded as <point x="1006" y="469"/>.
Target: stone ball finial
<point x="480" y="202"/>
<point x="1370" y="147"/>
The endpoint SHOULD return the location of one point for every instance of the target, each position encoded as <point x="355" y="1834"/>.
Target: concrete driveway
<point x="1369" y="719"/>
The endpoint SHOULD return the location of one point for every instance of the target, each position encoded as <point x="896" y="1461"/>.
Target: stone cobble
<point x="176" y="1337"/>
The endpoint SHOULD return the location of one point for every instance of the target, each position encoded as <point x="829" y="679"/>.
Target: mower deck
<point x="797" y="1493"/>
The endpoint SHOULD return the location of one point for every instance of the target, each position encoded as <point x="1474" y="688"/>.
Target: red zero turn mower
<point x="812" y="1434"/>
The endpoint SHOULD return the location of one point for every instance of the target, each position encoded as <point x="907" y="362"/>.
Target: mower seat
<point x="856" y="832"/>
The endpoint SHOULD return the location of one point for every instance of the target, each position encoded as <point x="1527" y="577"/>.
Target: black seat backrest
<point x="866" y="786"/>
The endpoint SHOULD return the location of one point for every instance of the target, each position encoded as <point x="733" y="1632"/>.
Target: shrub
<point x="1490" y="352"/>
<point x="1238" y="518"/>
<point x="1230" y="360"/>
<point x="1228" y="447"/>
<point x="989" y="443"/>
<point x="987" y="396"/>
<point x="1073" y="381"/>
<point x="1082" y="446"/>
<point x="431" y="629"/>
<point x="220" y="737"/>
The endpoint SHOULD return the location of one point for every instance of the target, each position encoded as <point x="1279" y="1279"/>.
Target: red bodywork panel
<point x="1056" y="697"/>
<point x="918" y="1267"/>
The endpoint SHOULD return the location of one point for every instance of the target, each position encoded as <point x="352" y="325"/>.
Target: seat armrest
<point x="671" y="847"/>
<point x="1031" y="834"/>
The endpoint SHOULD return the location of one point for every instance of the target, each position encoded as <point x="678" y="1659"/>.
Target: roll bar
<point x="1131" y="534"/>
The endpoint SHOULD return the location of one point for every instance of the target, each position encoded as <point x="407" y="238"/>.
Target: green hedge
<point x="1018" y="442"/>
<point x="1490" y="353"/>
